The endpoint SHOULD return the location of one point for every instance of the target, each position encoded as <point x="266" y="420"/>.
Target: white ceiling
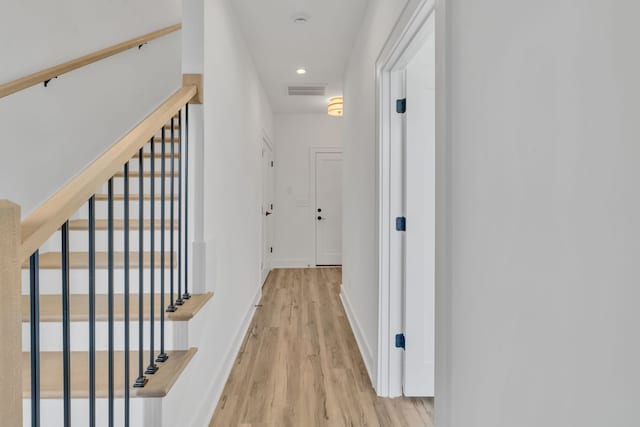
<point x="279" y="46"/>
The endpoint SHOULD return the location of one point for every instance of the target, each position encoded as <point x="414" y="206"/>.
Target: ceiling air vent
<point x="315" y="90"/>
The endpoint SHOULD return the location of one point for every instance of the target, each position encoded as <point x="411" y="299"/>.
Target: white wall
<point x="360" y="263"/>
<point x="543" y="106"/>
<point x="295" y="134"/>
<point x="236" y="115"/>
<point x="59" y="130"/>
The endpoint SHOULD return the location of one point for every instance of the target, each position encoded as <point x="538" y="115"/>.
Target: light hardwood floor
<point x="300" y="366"/>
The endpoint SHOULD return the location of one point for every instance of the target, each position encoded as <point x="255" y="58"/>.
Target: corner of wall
<point x="370" y="361"/>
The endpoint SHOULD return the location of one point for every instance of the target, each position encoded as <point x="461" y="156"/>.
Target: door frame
<point x="264" y="141"/>
<point x="313" y="151"/>
<point x="405" y="39"/>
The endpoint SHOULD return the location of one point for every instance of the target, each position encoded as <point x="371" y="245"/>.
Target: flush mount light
<point x="301" y="71"/>
<point x="335" y="108"/>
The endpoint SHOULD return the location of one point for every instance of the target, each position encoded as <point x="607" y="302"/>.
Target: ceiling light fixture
<point x="335" y="108"/>
<point x="301" y="71"/>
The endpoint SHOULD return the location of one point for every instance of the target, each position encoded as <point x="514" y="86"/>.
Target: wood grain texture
<point x="17" y="85"/>
<point x="80" y="260"/>
<point x="299" y="364"/>
<point x="45" y="220"/>
<point x="51" y="379"/>
<point x="196" y="80"/>
<point x="51" y="308"/>
<point x="10" y="315"/>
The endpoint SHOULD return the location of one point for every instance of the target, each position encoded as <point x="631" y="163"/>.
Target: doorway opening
<point x="268" y="190"/>
<point x="407" y="207"/>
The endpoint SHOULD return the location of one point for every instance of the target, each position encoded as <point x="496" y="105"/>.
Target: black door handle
<point x="267" y="213"/>
<point x="320" y="218"/>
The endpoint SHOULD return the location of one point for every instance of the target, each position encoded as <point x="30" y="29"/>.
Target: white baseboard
<point x="365" y="350"/>
<point x="212" y="395"/>
<point x="292" y="263"/>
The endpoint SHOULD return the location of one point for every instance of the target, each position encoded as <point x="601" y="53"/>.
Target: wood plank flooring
<point x="299" y="365"/>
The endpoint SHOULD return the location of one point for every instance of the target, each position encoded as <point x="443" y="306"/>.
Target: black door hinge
<point x="271" y="249"/>
<point x="400" y="342"/>
<point x="401" y="106"/>
<point x="401" y="223"/>
<point x="271" y="163"/>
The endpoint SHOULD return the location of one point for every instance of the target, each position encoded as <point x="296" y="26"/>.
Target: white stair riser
<point x="52" y="413"/>
<point x="51" y="281"/>
<point x="176" y="336"/>
<point x="118" y="209"/>
<point x="79" y="241"/>
<point x="118" y="183"/>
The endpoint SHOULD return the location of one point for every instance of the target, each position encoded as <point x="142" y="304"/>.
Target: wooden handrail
<point x="44" y="221"/>
<point x="14" y="86"/>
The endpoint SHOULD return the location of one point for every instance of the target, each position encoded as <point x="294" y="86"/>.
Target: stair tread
<point x="167" y="138"/>
<point x="132" y="197"/>
<point x="157" y="155"/>
<point x="146" y="174"/>
<point x="51" y="381"/>
<point x="51" y="308"/>
<point x="80" y="260"/>
<point x="118" y="224"/>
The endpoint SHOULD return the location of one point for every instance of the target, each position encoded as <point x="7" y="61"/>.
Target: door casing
<point x="268" y="194"/>
<point x="313" y="151"/>
<point x="411" y="30"/>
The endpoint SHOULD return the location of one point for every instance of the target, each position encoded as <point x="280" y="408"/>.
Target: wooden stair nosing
<point x="51" y="308"/>
<point x="80" y="260"/>
<point x="51" y="384"/>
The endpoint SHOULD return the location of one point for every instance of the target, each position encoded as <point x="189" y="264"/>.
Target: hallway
<point x="299" y="364"/>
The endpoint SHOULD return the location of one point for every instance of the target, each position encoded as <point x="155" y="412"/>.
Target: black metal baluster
<point x="141" y="380"/>
<point x="34" y="270"/>
<point x="110" y="266"/>
<point x="179" y="300"/>
<point x="186" y="294"/>
<point x="92" y="311"/>
<point x="162" y="357"/>
<point x="66" y="326"/>
<point x="172" y="306"/>
<point x="127" y="407"/>
<point x="152" y="368"/>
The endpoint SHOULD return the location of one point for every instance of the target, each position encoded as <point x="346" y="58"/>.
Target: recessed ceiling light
<point x="301" y="71"/>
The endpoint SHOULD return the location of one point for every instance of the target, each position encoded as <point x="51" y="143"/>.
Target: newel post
<point x="10" y="316"/>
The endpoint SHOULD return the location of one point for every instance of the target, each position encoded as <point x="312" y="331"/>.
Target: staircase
<point x="105" y="305"/>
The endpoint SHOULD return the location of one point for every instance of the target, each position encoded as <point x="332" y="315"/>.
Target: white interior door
<point x="328" y="208"/>
<point x="267" y="210"/>
<point x="419" y="291"/>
